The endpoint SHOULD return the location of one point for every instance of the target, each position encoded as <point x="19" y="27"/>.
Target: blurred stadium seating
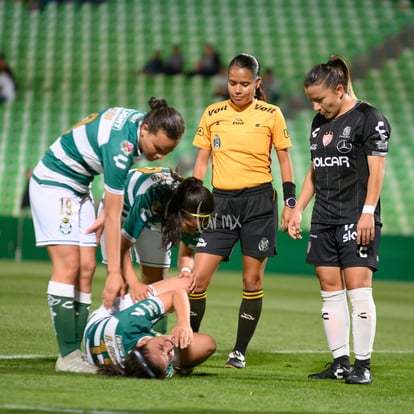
<point x="72" y="59"/>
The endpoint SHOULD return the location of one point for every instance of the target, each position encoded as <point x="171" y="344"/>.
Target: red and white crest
<point x="327" y="138"/>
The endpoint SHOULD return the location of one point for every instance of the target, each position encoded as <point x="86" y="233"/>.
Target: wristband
<point x="289" y="190"/>
<point x="185" y="269"/>
<point x="367" y="209"/>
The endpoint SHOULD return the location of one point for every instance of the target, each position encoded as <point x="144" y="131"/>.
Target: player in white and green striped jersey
<point x="108" y="142"/>
<point x="161" y="210"/>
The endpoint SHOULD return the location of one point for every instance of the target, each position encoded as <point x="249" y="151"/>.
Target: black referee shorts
<point x="249" y="215"/>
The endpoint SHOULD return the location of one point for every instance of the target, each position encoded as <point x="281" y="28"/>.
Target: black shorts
<point x="249" y="215"/>
<point x="336" y="246"/>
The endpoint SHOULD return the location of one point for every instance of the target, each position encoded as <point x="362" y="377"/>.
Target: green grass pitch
<point x="287" y="346"/>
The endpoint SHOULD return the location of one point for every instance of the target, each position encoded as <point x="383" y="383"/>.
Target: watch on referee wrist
<point x="290" y="202"/>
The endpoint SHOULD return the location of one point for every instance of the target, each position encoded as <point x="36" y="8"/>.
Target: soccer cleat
<point x="74" y="362"/>
<point x="236" y="360"/>
<point x="359" y="375"/>
<point x="335" y="370"/>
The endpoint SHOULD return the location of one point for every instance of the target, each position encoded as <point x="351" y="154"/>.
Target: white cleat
<point x="75" y="362"/>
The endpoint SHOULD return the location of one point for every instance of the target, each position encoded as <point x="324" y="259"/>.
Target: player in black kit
<point x="348" y="145"/>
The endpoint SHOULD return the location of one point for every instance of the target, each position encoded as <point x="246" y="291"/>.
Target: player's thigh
<point x="358" y="277"/>
<point x="65" y="263"/>
<point x="330" y="278"/>
<point x="149" y="251"/>
<point x="151" y="274"/>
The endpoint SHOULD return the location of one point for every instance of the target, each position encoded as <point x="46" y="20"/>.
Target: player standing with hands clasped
<point x="108" y="142"/>
<point x="238" y="134"/>
<point x="349" y="143"/>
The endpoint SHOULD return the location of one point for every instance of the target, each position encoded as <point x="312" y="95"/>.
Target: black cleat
<point x="335" y="370"/>
<point x="359" y="375"/>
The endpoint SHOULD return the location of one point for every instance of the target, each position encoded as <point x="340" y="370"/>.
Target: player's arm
<point x="306" y="194"/>
<point x="366" y="223"/>
<point x="201" y="163"/>
<point x="185" y="259"/>
<point x="114" y="284"/>
<point x="177" y="300"/>
<point x="286" y="171"/>
<point x="137" y="290"/>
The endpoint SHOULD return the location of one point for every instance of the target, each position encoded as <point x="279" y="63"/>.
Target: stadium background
<point x="73" y="58"/>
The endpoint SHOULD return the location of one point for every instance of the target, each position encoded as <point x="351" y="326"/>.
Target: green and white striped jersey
<point x="105" y="142"/>
<point x="111" y="338"/>
<point x="148" y="191"/>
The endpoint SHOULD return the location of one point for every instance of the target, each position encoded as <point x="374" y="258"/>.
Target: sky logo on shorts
<point x="349" y="233"/>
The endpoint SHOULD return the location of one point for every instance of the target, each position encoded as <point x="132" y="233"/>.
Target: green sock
<point x="249" y="314"/>
<point x="82" y="304"/>
<point x="60" y="298"/>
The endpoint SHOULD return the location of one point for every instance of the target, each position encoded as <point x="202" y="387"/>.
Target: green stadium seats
<point x="72" y="59"/>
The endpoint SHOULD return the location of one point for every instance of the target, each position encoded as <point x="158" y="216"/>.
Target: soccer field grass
<point x="287" y="346"/>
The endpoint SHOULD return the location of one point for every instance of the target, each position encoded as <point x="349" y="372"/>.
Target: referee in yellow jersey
<point x="238" y="135"/>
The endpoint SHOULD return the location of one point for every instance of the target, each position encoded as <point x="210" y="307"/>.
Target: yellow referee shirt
<point x="241" y="142"/>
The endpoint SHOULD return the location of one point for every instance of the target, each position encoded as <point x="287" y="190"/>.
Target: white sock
<point x="60" y="289"/>
<point x="336" y="323"/>
<point x="364" y="321"/>
<point x="83" y="297"/>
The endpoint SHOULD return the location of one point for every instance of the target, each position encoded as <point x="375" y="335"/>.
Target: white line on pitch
<point x="29" y="409"/>
<point x="278" y="351"/>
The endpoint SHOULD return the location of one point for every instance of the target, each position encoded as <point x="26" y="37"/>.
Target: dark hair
<point x="164" y="117"/>
<point x="332" y="73"/>
<point x="246" y="61"/>
<point x="190" y="198"/>
<point x="136" y="364"/>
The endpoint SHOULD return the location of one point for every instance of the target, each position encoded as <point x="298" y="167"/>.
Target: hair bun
<point x="155" y="103"/>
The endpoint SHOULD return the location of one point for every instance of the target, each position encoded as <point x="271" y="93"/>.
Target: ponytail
<point x="332" y="73"/>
